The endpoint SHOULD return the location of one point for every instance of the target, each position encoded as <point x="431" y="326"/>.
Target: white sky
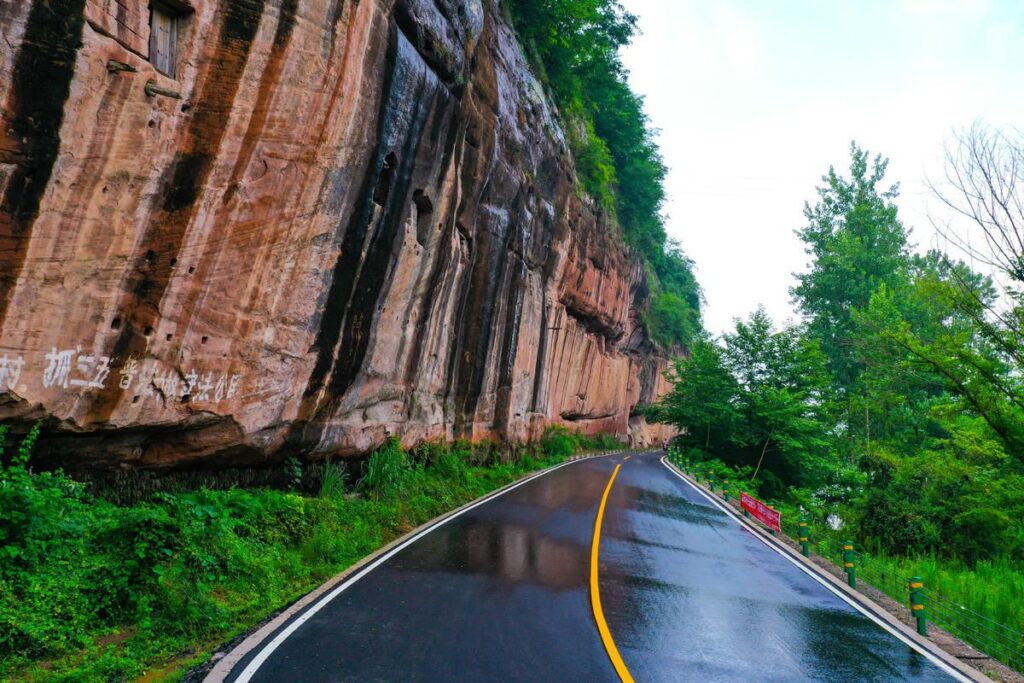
<point x="755" y="99"/>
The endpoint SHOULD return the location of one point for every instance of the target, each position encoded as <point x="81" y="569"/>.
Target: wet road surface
<point x="501" y="593"/>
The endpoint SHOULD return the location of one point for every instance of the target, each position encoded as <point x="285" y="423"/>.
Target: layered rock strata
<point x="318" y="224"/>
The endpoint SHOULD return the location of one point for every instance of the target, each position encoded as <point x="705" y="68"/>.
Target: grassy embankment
<point x="94" y="591"/>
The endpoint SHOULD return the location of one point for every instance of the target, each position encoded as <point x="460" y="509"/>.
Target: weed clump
<point x="559" y="442"/>
<point x="386" y="470"/>
<point x="333" y="480"/>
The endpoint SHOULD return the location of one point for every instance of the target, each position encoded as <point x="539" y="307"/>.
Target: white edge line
<point x="297" y="622"/>
<point x="845" y="598"/>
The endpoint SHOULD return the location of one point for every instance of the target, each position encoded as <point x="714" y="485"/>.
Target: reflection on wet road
<point x="500" y="593"/>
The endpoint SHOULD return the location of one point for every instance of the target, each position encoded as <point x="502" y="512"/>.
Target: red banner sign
<point x="770" y="517"/>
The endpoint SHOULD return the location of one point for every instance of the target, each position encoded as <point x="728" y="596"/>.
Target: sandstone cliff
<point x="328" y="221"/>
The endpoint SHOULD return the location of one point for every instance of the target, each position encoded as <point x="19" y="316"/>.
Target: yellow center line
<point x="595" y="589"/>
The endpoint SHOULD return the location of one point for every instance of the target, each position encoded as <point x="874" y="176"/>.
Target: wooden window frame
<point x="175" y="12"/>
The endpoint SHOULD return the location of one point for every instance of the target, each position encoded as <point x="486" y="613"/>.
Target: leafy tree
<point x="857" y="244"/>
<point x="960" y="356"/>
<point x="754" y="399"/>
<point x="782" y="375"/>
<point x="909" y="365"/>
<point x="703" y="397"/>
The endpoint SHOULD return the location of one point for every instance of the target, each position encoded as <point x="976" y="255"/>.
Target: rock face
<point x="330" y="221"/>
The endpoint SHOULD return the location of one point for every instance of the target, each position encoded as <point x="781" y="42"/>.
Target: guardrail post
<point x="805" y="536"/>
<point x="917" y="596"/>
<point x="725" y="491"/>
<point x="851" y="570"/>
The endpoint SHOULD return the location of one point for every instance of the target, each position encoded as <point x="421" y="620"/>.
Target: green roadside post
<point x="917" y="596"/>
<point x="725" y="491"/>
<point x="805" y="536"/>
<point x="851" y="571"/>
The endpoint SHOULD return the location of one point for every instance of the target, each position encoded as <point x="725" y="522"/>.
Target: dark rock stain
<point x="267" y="88"/>
<point x="40" y="85"/>
<point x="269" y="80"/>
<point x="367" y="250"/>
<point x="445" y="263"/>
<point x="379" y="259"/>
<point x="343" y="276"/>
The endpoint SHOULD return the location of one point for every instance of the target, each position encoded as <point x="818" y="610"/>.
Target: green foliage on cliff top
<point x="574" y="44"/>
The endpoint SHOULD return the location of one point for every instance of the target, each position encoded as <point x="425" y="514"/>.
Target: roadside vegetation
<point x="894" y="415"/>
<point x="95" y="591"/>
<point x="574" y="47"/>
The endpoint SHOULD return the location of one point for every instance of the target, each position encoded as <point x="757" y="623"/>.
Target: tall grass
<point x="386" y="470"/>
<point x="993" y="589"/>
<point x="333" y="480"/>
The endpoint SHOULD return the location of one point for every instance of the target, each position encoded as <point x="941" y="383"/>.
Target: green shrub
<point x="558" y="442"/>
<point x="333" y="480"/>
<point x="293" y="470"/>
<point x="386" y="470"/>
<point x="452" y="466"/>
<point x="429" y="452"/>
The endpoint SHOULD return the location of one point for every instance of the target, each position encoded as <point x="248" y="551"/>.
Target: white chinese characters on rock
<point x="10" y="372"/>
<point x="89" y="371"/>
<point x="67" y="368"/>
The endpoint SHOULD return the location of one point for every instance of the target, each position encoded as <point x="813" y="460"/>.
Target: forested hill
<point x="574" y="46"/>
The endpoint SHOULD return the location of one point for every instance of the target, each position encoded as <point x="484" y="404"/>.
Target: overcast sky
<point x="756" y="99"/>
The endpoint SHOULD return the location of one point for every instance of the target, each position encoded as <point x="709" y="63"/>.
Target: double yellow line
<point x="595" y="589"/>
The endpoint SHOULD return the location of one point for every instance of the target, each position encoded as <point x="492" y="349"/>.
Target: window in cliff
<point x="165" y="23"/>
<point x="424" y="216"/>
<point x="384" y="180"/>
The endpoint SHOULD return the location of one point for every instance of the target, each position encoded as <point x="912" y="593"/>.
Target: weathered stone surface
<point x="359" y="220"/>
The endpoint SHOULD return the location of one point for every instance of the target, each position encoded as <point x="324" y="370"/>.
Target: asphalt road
<point x="502" y="593"/>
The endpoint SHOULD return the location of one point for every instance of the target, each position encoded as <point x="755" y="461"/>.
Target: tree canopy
<point x="899" y="402"/>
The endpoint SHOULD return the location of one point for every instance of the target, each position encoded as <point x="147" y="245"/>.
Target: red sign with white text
<point x="770" y="517"/>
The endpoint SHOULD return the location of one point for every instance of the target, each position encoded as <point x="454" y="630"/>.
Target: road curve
<point x="502" y="592"/>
